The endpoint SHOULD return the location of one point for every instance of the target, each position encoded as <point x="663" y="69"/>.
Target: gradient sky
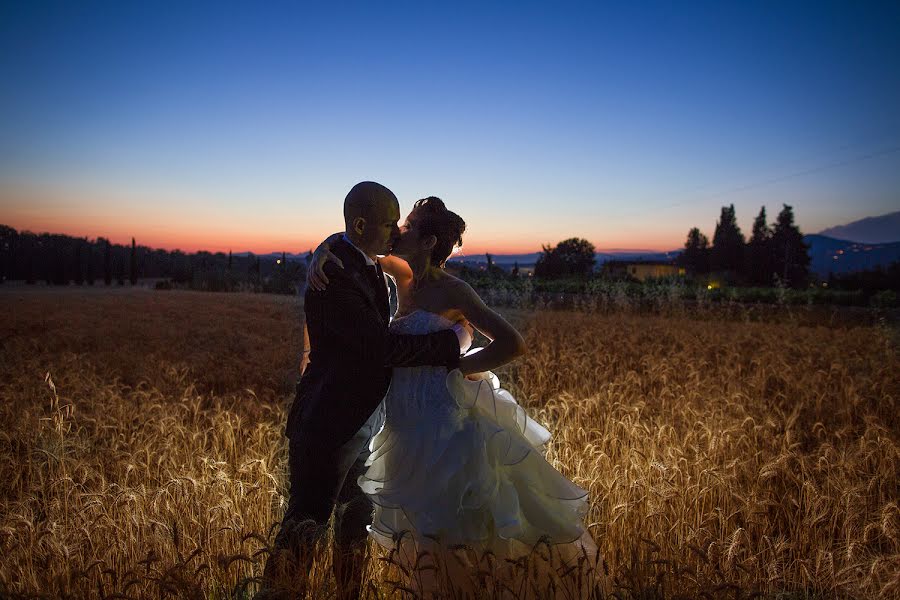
<point x="242" y="125"/>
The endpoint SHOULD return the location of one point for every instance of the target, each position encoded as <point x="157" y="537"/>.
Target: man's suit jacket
<point x="352" y="352"/>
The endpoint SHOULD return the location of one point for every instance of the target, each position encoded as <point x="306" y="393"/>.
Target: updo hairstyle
<point x="447" y="226"/>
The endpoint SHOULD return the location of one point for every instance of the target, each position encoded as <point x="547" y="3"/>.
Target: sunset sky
<point x="243" y="125"/>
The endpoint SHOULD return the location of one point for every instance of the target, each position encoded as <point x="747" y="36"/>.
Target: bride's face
<point x="411" y="244"/>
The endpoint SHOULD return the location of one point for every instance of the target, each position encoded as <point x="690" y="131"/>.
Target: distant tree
<point x="59" y="265"/>
<point x="229" y="259"/>
<point x="574" y="256"/>
<point x="89" y="271"/>
<point x="8" y="238"/>
<point x="133" y="264"/>
<point x="30" y="251"/>
<point x="728" y="243"/>
<point x="790" y="254"/>
<point x="695" y="256"/>
<point x="107" y="263"/>
<point x="79" y="271"/>
<point x="759" y="251"/>
<point x="515" y="269"/>
<point x="47" y="260"/>
<point x="490" y="261"/>
<point x="869" y="280"/>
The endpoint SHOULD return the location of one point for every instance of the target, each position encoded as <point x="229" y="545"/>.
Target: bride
<point x="457" y="473"/>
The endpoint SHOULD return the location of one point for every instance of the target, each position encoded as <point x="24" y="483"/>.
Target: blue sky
<point x="224" y="125"/>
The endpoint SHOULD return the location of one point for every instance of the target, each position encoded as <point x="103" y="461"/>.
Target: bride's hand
<point x="482" y="376"/>
<point x="315" y="277"/>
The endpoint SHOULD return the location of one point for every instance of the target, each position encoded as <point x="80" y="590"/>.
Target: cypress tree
<point x="13" y="263"/>
<point x="728" y="243"/>
<point x="133" y="261"/>
<point x="7" y="252"/>
<point x="46" y="261"/>
<point x="59" y="266"/>
<point x="696" y="252"/>
<point x="790" y="256"/>
<point x="90" y="263"/>
<point x="79" y="277"/>
<point x="759" y="251"/>
<point x="29" y="264"/>
<point x="107" y="263"/>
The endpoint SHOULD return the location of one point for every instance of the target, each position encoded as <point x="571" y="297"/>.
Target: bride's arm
<point x="506" y="343"/>
<point x="396" y="267"/>
<point x="315" y="276"/>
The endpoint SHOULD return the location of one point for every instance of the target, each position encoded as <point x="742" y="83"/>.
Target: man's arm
<point x="344" y="313"/>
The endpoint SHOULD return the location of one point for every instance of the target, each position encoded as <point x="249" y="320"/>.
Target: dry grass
<point x="723" y="457"/>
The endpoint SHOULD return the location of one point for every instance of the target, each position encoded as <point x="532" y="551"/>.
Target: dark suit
<point x="349" y="372"/>
<point x="353" y="352"/>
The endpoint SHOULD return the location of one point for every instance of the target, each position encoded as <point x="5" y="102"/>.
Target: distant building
<point x="642" y="270"/>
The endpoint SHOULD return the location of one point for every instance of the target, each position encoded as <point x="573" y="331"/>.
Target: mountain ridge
<point x="882" y="229"/>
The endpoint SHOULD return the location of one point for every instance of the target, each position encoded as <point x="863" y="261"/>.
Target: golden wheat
<point x="142" y="449"/>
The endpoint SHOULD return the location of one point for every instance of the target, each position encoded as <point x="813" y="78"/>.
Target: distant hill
<point x="524" y="260"/>
<point x="851" y="255"/>
<point x="275" y="255"/>
<point x="528" y="260"/>
<point x="871" y="230"/>
<point x="829" y="255"/>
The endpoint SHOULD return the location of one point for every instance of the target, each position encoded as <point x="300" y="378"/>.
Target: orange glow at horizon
<point x="177" y="238"/>
<point x="172" y="239"/>
<point x="159" y="221"/>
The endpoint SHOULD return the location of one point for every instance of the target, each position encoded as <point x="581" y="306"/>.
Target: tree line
<point x="775" y="254"/>
<point x="56" y="259"/>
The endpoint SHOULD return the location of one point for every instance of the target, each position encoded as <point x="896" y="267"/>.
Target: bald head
<point x="371" y="212"/>
<point x="364" y="200"/>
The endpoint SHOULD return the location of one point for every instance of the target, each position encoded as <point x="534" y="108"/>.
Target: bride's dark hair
<point x="445" y="225"/>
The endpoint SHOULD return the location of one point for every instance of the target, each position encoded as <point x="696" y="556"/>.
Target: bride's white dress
<point x="460" y="461"/>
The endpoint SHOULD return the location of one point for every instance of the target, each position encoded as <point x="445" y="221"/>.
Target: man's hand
<point x="465" y="333"/>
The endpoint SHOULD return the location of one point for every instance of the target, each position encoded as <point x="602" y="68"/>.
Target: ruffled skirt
<point x="449" y="493"/>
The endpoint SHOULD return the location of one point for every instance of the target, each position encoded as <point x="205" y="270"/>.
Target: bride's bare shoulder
<point x="457" y="288"/>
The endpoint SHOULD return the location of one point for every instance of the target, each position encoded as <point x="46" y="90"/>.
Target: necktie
<point x="377" y="276"/>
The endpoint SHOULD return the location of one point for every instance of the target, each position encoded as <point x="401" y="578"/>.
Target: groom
<point x="338" y="404"/>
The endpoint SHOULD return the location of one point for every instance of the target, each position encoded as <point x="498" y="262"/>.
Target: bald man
<point x="338" y="407"/>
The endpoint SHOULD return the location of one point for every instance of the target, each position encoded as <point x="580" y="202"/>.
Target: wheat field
<point x="143" y="457"/>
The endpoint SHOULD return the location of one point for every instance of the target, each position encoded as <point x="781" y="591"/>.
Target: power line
<point x="818" y="169"/>
<point x="809" y="157"/>
<point x="781" y="178"/>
